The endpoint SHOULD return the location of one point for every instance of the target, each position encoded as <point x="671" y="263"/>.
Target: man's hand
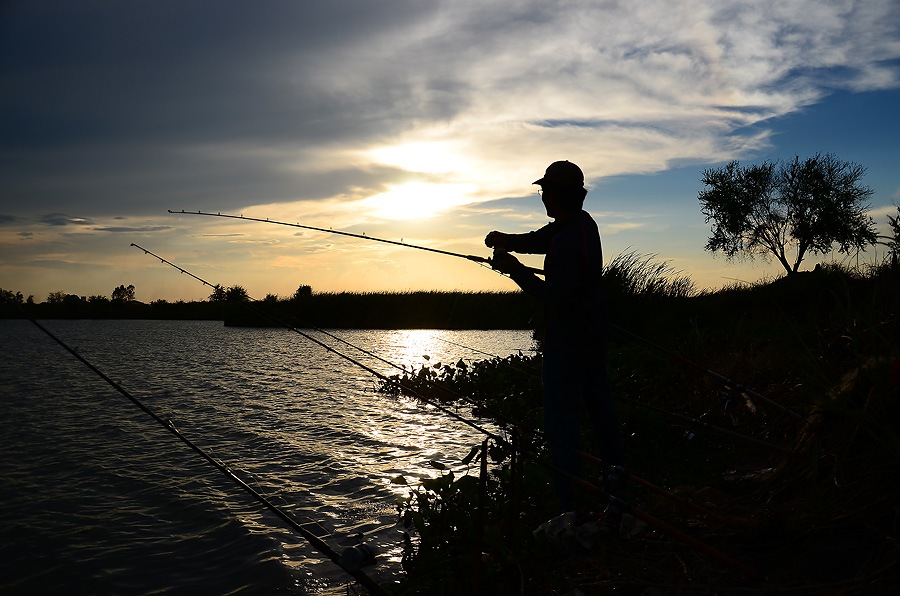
<point x="496" y="240"/>
<point x="504" y="262"/>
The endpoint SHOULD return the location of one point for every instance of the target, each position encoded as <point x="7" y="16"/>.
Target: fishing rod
<point x="474" y="258"/>
<point x="316" y="542"/>
<point x="622" y="505"/>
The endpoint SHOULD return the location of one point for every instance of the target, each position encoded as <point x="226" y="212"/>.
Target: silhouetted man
<point x="574" y="351"/>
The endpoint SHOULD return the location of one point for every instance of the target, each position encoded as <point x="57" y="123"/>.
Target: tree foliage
<point x="123" y="294"/>
<point x="230" y="294"/>
<point x="770" y="208"/>
<point x="10" y="297"/>
<point x="304" y="292"/>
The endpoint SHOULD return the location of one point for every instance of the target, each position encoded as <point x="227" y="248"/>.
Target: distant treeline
<point x="348" y="310"/>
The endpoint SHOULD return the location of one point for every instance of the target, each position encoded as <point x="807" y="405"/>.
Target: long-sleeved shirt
<point x="572" y="289"/>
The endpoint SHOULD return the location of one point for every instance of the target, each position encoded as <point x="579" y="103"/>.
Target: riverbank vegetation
<point x="772" y="408"/>
<point x="334" y="310"/>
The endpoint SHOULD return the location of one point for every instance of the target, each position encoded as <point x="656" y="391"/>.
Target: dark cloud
<point x="115" y="105"/>
<point x="7" y="219"/>
<point x="198" y="71"/>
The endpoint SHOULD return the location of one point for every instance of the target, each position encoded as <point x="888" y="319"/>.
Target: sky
<point x="415" y="121"/>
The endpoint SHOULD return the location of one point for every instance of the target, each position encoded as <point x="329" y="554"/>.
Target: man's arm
<point x="536" y="242"/>
<point x="561" y="287"/>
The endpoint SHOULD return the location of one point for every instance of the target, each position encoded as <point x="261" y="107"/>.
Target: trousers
<point x="576" y="381"/>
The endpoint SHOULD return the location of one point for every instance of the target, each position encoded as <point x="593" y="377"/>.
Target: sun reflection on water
<point x="415" y="347"/>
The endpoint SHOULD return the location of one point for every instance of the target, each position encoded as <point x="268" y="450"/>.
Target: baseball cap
<point x="562" y="173"/>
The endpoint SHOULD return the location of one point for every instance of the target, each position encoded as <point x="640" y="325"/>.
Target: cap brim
<point x="539" y="181"/>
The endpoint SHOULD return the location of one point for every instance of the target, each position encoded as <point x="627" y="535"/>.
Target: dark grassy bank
<point x="796" y="470"/>
<point x="395" y="310"/>
<point x="347" y="310"/>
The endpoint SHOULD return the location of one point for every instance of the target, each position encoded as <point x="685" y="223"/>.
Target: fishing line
<point x="622" y="505"/>
<point x="316" y="542"/>
<point x="477" y="351"/>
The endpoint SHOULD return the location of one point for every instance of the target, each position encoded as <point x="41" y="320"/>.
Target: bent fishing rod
<point x="622" y="505"/>
<point x="474" y="258"/>
<point x="314" y="540"/>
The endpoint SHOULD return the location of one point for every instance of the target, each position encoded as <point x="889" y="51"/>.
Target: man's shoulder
<point x="577" y="225"/>
<point x="587" y="218"/>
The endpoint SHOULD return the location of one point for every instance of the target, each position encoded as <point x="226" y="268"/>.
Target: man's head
<point x="562" y="188"/>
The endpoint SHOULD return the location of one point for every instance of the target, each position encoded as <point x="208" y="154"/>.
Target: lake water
<point x="98" y="498"/>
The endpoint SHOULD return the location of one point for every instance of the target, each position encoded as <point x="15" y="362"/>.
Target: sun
<point x="428" y="157"/>
<point x="440" y="162"/>
<point x="417" y="200"/>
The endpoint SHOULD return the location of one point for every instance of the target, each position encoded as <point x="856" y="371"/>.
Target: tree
<point x="232" y="294"/>
<point x="10" y="297"/>
<point x="237" y="294"/>
<point x="218" y="294"/>
<point x="303" y="293"/>
<point x="765" y="209"/>
<point x="123" y="294"/>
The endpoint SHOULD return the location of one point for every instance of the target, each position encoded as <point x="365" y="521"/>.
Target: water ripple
<point x="98" y="498"/>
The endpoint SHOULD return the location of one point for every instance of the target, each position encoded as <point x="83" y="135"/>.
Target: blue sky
<point x="421" y="121"/>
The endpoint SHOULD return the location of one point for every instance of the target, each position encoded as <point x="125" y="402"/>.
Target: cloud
<point x="62" y="219"/>
<point x="883" y="211"/>
<point x="288" y="102"/>
<point x="615" y="228"/>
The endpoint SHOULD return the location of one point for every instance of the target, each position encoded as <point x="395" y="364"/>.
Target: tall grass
<point x="636" y="275"/>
